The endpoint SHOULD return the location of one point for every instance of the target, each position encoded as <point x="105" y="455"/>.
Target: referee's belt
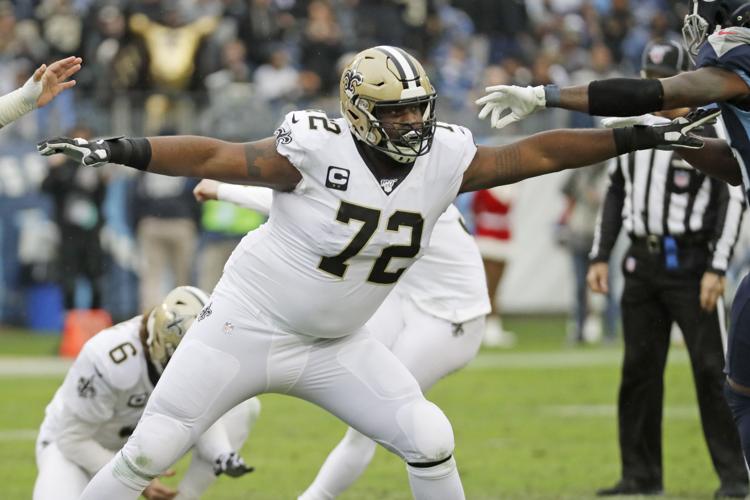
<point x="654" y="243"/>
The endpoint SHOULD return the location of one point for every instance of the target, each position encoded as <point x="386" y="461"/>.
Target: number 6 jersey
<point x="334" y="247"/>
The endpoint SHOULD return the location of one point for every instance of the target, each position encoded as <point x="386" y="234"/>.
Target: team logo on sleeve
<point x="86" y="387"/>
<point x="337" y="178"/>
<point x="283" y="135"/>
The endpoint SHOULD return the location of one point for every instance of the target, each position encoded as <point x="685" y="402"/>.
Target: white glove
<point x="627" y="121"/>
<point x="520" y="101"/>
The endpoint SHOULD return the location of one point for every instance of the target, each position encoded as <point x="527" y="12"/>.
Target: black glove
<point x="676" y="134"/>
<point x="680" y="132"/>
<point x="91" y="153"/>
<point x="231" y="464"/>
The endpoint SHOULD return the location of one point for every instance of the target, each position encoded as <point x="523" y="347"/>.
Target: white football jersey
<point x="448" y="281"/>
<point x="334" y="247"/>
<point x="107" y="386"/>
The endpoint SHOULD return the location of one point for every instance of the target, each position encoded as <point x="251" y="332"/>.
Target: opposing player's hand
<point x="207" y="189"/>
<point x="712" y="287"/>
<point x="506" y="104"/>
<point x="54" y="78"/>
<point x="598" y="277"/>
<point x="231" y="464"/>
<point x="628" y="121"/>
<point x="91" y="153"/>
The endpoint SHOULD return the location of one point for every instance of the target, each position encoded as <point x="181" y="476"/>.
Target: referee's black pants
<point x="653" y="297"/>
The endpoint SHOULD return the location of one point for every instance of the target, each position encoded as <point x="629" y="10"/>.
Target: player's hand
<point x="91" y="153"/>
<point x="628" y="121"/>
<point x="506" y="104"/>
<point x="679" y="132"/>
<point x="54" y="78"/>
<point x="158" y="491"/>
<point x="712" y="287"/>
<point x="231" y="464"/>
<point x="207" y="189"/>
<point x="598" y="277"/>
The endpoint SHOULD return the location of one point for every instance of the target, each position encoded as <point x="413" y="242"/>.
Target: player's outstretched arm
<point x="506" y="104"/>
<point x="192" y="156"/>
<point x="557" y="150"/>
<point x="715" y="159"/>
<point x="46" y="83"/>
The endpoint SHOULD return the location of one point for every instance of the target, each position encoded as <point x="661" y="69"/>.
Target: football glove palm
<point x="90" y="153"/>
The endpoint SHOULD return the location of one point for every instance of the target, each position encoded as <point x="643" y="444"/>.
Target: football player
<point x="355" y="202"/>
<point x="717" y="34"/>
<point x="103" y="396"/>
<point x="40" y="89"/>
<point x="433" y="320"/>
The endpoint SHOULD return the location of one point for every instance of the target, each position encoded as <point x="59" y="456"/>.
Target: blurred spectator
<point x="172" y="47"/>
<point x="584" y="191"/>
<point x="277" y="80"/>
<point x="492" y="223"/>
<point x="78" y="194"/>
<point x="165" y="218"/>
<point x="321" y="44"/>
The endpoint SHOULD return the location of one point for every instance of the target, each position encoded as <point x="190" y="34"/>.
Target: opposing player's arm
<point x="715" y="159"/>
<point x="506" y="104"/>
<point x="191" y="156"/>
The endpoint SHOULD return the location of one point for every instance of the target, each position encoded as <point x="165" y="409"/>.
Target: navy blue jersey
<point x="729" y="49"/>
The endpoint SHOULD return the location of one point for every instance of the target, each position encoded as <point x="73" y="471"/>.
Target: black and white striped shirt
<point x="655" y="192"/>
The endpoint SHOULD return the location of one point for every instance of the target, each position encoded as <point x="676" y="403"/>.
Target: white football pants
<point x="60" y="478"/>
<point x="233" y="354"/>
<point x="430" y="348"/>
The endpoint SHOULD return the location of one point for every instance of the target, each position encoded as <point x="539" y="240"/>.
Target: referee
<point x="682" y="226"/>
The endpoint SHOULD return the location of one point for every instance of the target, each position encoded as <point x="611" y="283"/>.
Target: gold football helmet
<point x="382" y="77"/>
<point x="168" y="322"/>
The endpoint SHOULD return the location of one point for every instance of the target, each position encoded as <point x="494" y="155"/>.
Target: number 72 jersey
<point x="335" y="246"/>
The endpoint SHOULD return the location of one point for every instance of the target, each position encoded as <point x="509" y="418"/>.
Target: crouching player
<point x="103" y="396"/>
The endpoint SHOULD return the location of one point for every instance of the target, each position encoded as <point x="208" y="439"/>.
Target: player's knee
<point x="429" y="431"/>
<point x="158" y="442"/>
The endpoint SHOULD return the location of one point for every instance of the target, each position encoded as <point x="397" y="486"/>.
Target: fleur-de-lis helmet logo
<point x="352" y="78"/>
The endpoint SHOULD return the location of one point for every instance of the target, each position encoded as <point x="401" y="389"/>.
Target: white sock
<point x="111" y="484"/>
<point x="342" y="468"/>
<point x="440" y="482"/>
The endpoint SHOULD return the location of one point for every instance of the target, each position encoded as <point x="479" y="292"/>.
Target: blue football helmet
<point x="705" y="16"/>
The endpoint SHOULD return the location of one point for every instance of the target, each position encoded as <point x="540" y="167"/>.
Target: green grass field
<point x="533" y="422"/>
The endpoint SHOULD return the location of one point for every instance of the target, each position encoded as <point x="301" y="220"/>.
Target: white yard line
<point x="53" y="366"/>
<point x="34" y="367"/>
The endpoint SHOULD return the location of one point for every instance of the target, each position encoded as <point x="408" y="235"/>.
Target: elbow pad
<point x="625" y="97"/>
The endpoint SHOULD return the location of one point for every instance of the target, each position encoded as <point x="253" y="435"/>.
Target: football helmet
<point x="704" y="17"/>
<point x="386" y="77"/>
<point x="168" y="322"/>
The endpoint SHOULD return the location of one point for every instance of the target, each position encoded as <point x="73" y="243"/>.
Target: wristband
<point x="629" y="139"/>
<point x="552" y="95"/>
<point x="134" y="153"/>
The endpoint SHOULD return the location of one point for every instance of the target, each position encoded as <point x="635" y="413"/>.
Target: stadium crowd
<point x="232" y="68"/>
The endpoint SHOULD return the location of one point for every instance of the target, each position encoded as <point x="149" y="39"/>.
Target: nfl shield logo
<point x="681" y="179"/>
